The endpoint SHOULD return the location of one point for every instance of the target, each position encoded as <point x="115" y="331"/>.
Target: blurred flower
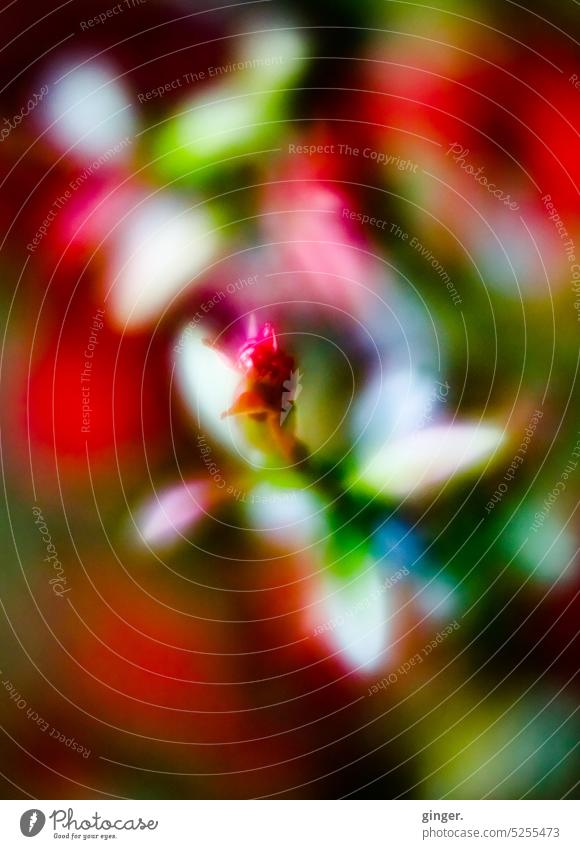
<point x="313" y="504"/>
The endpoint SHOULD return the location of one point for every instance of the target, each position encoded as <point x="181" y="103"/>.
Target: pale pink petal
<point x="174" y="511"/>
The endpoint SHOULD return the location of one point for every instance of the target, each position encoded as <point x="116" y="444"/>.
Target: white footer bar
<point x="295" y="824"/>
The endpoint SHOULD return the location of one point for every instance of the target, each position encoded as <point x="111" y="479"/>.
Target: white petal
<point x="428" y="457"/>
<point x="293" y="518"/>
<point x="393" y="405"/>
<point x="162" y="247"/>
<point x="355" y="618"/>
<point x="207" y="381"/>
<point x="173" y="511"/>
<point x="273" y="57"/>
<point x="89" y="110"/>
